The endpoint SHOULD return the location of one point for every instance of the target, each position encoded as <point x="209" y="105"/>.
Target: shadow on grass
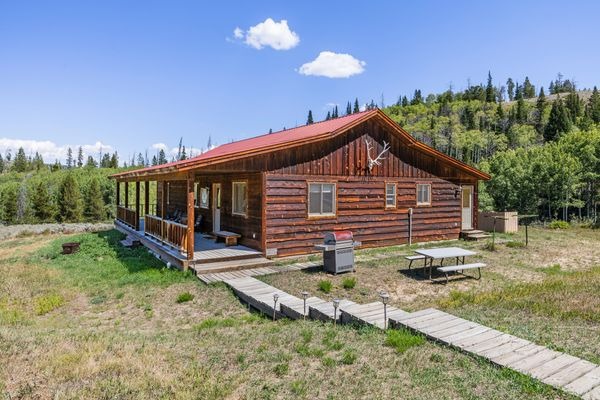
<point x="421" y="274"/>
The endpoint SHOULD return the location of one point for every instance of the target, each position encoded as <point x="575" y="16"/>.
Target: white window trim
<point x="424" y="203"/>
<point x="334" y="200"/>
<point x="395" y="195"/>
<point x="233" y="212"/>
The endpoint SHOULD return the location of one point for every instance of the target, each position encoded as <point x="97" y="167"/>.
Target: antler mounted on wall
<point x="377" y="160"/>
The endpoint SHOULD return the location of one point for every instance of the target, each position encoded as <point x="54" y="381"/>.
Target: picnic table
<point x="440" y="253"/>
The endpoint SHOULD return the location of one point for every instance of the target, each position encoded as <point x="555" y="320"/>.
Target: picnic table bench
<point x="230" y="238"/>
<point x="441" y="253"/>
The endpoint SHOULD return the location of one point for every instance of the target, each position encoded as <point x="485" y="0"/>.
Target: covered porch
<point x="176" y="217"/>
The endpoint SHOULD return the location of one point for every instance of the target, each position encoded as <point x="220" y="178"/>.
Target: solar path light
<point x="385" y="297"/>
<point x="336" y="304"/>
<point x="304" y="297"/>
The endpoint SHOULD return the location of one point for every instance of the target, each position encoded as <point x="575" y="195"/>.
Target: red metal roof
<point x="290" y="137"/>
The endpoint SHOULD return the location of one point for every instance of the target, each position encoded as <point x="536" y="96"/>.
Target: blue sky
<point x="131" y="75"/>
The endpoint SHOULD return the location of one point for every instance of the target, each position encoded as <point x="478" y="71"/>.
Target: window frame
<point x="333" y="213"/>
<point x="233" y="211"/>
<point x="390" y="206"/>
<point x="423" y="204"/>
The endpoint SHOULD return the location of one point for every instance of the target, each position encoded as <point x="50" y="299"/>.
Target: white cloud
<point x="333" y="65"/>
<point x="51" y="151"/>
<point x="171" y="152"/>
<point x="238" y="33"/>
<point x="276" y="35"/>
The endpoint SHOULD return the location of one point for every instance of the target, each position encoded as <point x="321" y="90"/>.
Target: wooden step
<point x="232" y="265"/>
<point x="478" y="236"/>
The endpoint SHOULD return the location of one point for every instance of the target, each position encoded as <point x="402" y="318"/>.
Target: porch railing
<point x="172" y="233"/>
<point x="126" y="215"/>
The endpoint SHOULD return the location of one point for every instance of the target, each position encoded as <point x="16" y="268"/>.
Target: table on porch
<point x="440" y="253"/>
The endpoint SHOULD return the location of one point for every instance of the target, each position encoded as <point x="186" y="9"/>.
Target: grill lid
<point x="338" y="236"/>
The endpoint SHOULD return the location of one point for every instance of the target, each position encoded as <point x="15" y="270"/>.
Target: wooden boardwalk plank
<point x="586" y="383"/>
<point x="568" y="375"/>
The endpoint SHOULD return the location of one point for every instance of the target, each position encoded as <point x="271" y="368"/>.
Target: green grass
<point x="184" y="297"/>
<point x="228" y="322"/>
<point x="47" y="303"/>
<point x="564" y="295"/>
<point x="325" y="286"/>
<point x="349" y="283"/>
<point x="515" y="244"/>
<point x="402" y="339"/>
<point x="557" y="224"/>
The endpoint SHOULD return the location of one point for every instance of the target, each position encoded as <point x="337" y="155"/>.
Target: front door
<point x="216" y="206"/>
<point x="467" y="207"/>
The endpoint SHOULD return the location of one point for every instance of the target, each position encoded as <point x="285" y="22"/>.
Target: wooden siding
<point x="361" y="209"/>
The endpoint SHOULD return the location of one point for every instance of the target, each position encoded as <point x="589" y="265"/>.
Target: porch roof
<point x="288" y="138"/>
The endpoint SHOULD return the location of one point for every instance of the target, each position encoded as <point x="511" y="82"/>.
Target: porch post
<point x="118" y="193"/>
<point x="190" y="216"/>
<point x="137" y="205"/>
<point x="126" y="194"/>
<point x="146" y="197"/>
<point x="162" y="209"/>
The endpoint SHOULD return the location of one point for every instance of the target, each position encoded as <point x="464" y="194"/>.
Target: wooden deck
<point x="563" y="371"/>
<point x="209" y="256"/>
<point x="208" y="277"/>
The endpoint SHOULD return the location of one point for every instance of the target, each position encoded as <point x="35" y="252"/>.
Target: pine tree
<point x="94" y="205"/>
<point x="510" y="87"/>
<point x="558" y="122"/>
<point x="91" y="163"/>
<point x="183" y="155"/>
<point x="270" y="131"/>
<point x="20" y="164"/>
<point x="105" y="161"/>
<point x="69" y="200"/>
<point x="404" y="101"/>
<point x="9" y="204"/>
<point x="309" y="119"/>
<point x="500" y="111"/>
<point x="521" y="111"/>
<point x="1" y="164"/>
<point x="490" y="92"/>
<point x="518" y="91"/>
<point x="356" y="106"/>
<point x="574" y="105"/>
<point x="141" y="161"/>
<point x="79" y="157"/>
<point x="328" y="116"/>
<point x="69" y="158"/>
<point x="336" y="112"/>
<point x="56" y="166"/>
<point x="528" y="89"/>
<point x="593" y="106"/>
<point x="114" y="160"/>
<point x="162" y="158"/>
<point x="417" y="97"/>
<point x="540" y="108"/>
<point x="37" y="162"/>
<point x="41" y="203"/>
<point x="209" y="145"/>
<point x="348" y="109"/>
<point x="154" y="160"/>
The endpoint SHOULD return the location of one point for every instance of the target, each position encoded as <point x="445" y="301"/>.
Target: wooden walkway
<point x="209" y="278"/>
<point x="563" y="371"/>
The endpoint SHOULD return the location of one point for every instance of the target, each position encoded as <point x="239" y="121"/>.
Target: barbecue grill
<point x="338" y="251"/>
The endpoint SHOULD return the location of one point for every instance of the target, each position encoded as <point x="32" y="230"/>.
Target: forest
<point x="541" y="146"/>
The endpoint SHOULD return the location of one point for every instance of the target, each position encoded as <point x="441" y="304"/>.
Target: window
<point x="423" y="194"/>
<point x="390" y="195"/>
<point x="240" y="198"/>
<point x="203" y="197"/>
<point x="321" y="199"/>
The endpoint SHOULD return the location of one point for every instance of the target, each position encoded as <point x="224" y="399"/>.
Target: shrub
<point x="515" y="244"/>
<point x="281" y="369"/>
<point x="184" y="297"/>
<point x="556" y="224"/>
<point x="403" y="339"/>
<point x="325" y="286"/>
<point x="349" y="283"/>
<point x="45" y="304"/>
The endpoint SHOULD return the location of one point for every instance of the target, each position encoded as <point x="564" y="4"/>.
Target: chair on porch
<point x="198" y="223"/>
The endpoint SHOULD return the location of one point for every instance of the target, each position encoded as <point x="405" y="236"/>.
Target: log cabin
<point x="277" y="194"/>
